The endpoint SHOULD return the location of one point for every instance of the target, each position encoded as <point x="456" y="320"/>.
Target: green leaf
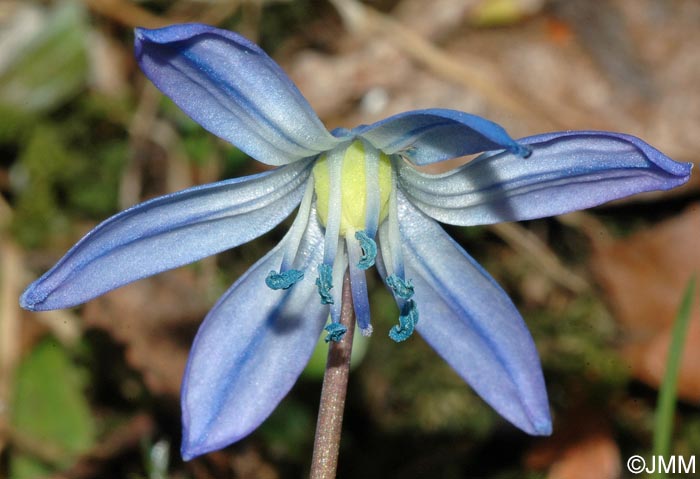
<point x="51" y="67"/>
<point x="288" y="432"/>
<point x="49" y="410"/>
<point x="665" y="409"/>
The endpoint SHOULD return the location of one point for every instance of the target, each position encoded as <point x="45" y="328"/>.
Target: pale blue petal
<point x="429" y="136"/>
<point x="468" y="319"/>
<point x="566" y="172"/>
<point x="250" y="350"/>
<point x="168" y="232"/>
<point x="232" y="88"/>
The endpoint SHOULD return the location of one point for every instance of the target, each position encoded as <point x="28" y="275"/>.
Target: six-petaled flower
<point x="361" y="203"/>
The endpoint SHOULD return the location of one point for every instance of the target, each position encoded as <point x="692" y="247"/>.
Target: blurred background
<point x="93" y="392"/>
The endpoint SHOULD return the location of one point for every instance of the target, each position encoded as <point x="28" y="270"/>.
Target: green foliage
<point x="288" y="432"/>
<point x="51" y="67"/>
<point x="41" y="163"/>
<point x="666" y="407"/>
<point x="577" y="349"/>
<point x="63" y="167"/>
<point x="408" y="387"/>
<point x="50" y="410"/>
<point x="15" y="124"/>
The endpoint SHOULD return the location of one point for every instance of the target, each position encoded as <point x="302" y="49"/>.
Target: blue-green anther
<point x="369" y="250"/>
<point x="283" y="280"/>
<point x="523" y="151"/>
<point x="324" y="282"/>
<point x="336" y="331"/>
<point x="407" y="322"/>
<point x="402" y="289"/>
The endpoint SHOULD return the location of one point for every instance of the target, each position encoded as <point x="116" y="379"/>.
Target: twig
<point x="335" y="385"/>
<point x="10" y="265"/>
<point x="526" y="243"/>
<point x="479" y="76"/>
<point x="471" y="72"/>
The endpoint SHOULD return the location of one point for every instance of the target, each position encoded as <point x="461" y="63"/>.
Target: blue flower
<point x="361" y="203"/>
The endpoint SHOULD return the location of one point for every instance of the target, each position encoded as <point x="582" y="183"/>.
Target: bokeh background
<point x="93" y="392"/>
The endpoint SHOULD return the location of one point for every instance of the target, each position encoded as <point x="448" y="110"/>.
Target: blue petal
<point x="167" y="232"/>
<point x="429" y="136"/>
<point x="233" y="89"/>
<point x="566" y="172"/>
<point x="468" y="319"/>
<point x="250" y="350"/>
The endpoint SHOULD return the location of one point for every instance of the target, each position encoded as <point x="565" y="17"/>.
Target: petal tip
<point x="31" y="299"/>
<point x="539" y="419"/>
<point x="188" y="453"/>
<point x="192" y="447"/>
<point x="543" y="428"/>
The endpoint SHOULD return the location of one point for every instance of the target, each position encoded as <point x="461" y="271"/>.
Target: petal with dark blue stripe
<point x="250" y="350"/>
<point x="168" y="232"/>
<point x="566" y="172"/>
<point x="470" y="321"/>
<point x="232" y="88"/>
<point x="430" y="136"/>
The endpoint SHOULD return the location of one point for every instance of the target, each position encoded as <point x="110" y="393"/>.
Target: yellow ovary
<point x="353" y="188"/>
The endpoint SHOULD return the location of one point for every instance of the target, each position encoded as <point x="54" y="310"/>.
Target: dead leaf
<point x="582" y="448"/>
<point x="644" y="277"/>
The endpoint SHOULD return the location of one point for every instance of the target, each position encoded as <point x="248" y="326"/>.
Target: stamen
<point x="296" y="232"/>
<point x="340" y="265"/>
<point x="288" y="276"/>
<point x="324" y="282"/>
<point x="372" y="188"/>
<point x="336" y="331"/>
<point x="389" y="235"/>
<point x="335" y="163"/>
<point x="394" y="233"/>
<point x="407" y="322"/>
<point x="359" y="288"/>
<point x="369" y="250"/>
<point x="402" y="289"/>
<point x="284" y="279"/>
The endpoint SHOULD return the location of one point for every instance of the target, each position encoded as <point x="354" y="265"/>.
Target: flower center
<point x="355" y="191"/>
<point x="353" y="186"/>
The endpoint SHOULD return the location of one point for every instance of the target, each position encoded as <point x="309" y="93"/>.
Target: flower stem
<point x="335" y="386"/>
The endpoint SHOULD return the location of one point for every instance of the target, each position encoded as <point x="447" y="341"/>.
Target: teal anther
<point x="522" y="151"/>
<point x="402" y="289"/>
<point x="283" y="280"/>
<point x="369" y="250"/>
<point x="324" y="282"/>
<point x="407" y="322"/>
<point x="336" y="331"/>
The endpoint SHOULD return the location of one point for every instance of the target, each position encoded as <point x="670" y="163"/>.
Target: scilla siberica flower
<point x="361" y="204"/>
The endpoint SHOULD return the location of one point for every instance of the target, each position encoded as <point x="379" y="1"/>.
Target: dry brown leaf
<point x="593" y="457"/>
<point x="583" y="448"/>
<point x="155" y="319"/>
<point x="648" y="360"/>
<point x="644" y="277"/>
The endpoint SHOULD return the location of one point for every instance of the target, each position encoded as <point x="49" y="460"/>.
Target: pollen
<point x="353" y="187"/>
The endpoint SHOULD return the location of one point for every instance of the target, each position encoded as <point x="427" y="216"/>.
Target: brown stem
<point x="335" y="386"/>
